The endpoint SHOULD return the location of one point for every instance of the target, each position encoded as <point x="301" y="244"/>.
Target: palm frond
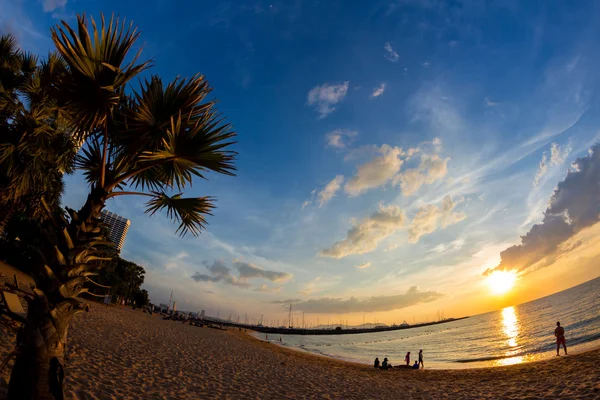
<point x="97" y="64"/>
<point x="8" y="47"/>
<point x="154" y="153"/>
<point x="89" y="160"/>
<point x="189" y="212"/>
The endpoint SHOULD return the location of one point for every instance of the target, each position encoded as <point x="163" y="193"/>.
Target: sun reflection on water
<point x="510" y="326"/>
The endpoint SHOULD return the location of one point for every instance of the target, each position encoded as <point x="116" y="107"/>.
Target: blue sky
<point x="389" y="151"/>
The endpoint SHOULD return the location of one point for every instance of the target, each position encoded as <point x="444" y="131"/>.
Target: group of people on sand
<point x="419" y="363"/>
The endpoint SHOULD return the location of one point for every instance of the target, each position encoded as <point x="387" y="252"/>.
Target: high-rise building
<point x="118" y="227"/>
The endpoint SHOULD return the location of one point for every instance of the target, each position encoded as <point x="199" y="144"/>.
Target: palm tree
<point x="149" y="142"/>
<point x="35" y="145"/>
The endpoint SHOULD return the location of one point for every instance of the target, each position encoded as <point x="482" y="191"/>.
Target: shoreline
<point x="250" y="336"/>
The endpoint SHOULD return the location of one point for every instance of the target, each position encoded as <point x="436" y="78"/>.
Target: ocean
<point x="512" y="335"/>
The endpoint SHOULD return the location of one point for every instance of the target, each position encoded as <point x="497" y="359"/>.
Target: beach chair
<point x="13" y="304"/>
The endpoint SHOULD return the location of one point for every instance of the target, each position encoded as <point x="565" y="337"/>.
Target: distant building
<point x="118" y="227"/>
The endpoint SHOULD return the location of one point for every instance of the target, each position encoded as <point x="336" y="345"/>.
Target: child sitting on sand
<point x="416" y="365"/>
<point x="376" y="363"/>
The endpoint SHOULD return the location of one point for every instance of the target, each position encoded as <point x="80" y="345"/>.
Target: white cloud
<point x="378" y="91"/>
<point x="340" y="138"/>
<point x="366" y="235"/>
<point x="330" y="190"/>
<point x="431" y="169"/>
<point x="558" y="156"/>
<point x="542" y="169"/>
<point x="324" y="98"/>
<point x="490" y="103"/>
<point x="390" y="53"/>
<point x="173" y="264"/>
<point x="376" y="172"/>
<point x="372" y="304"/>
<point x="433" y="105"/>
<point x="573" y="206"/>
<point x="51" y="5"/>
<point x="364" y="265"/>
<point x="431" y="217"/>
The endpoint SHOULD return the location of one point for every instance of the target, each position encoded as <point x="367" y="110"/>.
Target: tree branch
<point x="123" y="193"/>
<point x="104" y="153"/>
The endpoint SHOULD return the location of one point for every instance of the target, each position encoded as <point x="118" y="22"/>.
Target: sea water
<point x="509" y="336"/>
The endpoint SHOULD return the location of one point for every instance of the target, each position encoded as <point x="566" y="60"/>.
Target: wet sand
<point x="118" y="353"/>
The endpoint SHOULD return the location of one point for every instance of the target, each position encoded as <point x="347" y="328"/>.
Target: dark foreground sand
<point x="117" y="353"/>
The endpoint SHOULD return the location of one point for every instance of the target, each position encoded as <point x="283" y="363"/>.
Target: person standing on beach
<point x="407" y="358"/>
<point x="421" y="364"/>
<point x="559" y="332"/>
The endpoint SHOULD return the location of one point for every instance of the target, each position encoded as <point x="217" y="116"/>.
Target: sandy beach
<point x="118" y="353"/>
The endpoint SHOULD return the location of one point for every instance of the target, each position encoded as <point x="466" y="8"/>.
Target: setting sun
<point x="501" y="282"/>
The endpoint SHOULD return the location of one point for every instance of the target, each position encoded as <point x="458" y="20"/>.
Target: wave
<point x="577" y="340"/>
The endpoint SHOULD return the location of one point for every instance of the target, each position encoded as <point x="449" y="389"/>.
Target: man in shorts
<point x="559" y="332"/>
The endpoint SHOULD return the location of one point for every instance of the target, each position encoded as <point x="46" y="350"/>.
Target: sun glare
<point x="501" y="282"/>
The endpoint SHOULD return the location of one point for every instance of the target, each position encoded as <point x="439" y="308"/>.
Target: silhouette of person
<point x="559" y="332"/>
<point x="407" y="358"/>
<point x="376" y="363"/>
<point x="421" y="363"/>
<point x="384" y="364"/>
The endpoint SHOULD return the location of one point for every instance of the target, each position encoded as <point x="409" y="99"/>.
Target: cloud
<point x="558" y="156"/>
<point x="340" y="138"/>
<point x="434" y="105"/>
<point x="218" y="272"/>
<point x="326" y="305"/>
<point x="378" y="91"/>
<point x="390" y="53"/>
<point x="430" y="217"/>
<point x="251" y="271"/>
<point x="366" y="235"/>
<point x="324" y="98"/>
<point x="542" y="169"/>
<point x="288" y="301"/>
<point x="431" y="169"/>
<point x="573" y="206"/>
<point x="330" y="190"/>
<point x="490" y="103"/>
<point x="377" y="172"/>
<point x="364" y="265"/>
<point x="264" y="288"/>
<point x="51" y="5"/>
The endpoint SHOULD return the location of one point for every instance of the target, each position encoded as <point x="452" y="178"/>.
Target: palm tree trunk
<point x="93" y="205"/>
<point x="39" y="366"/>
<point x="38" y="371"/>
